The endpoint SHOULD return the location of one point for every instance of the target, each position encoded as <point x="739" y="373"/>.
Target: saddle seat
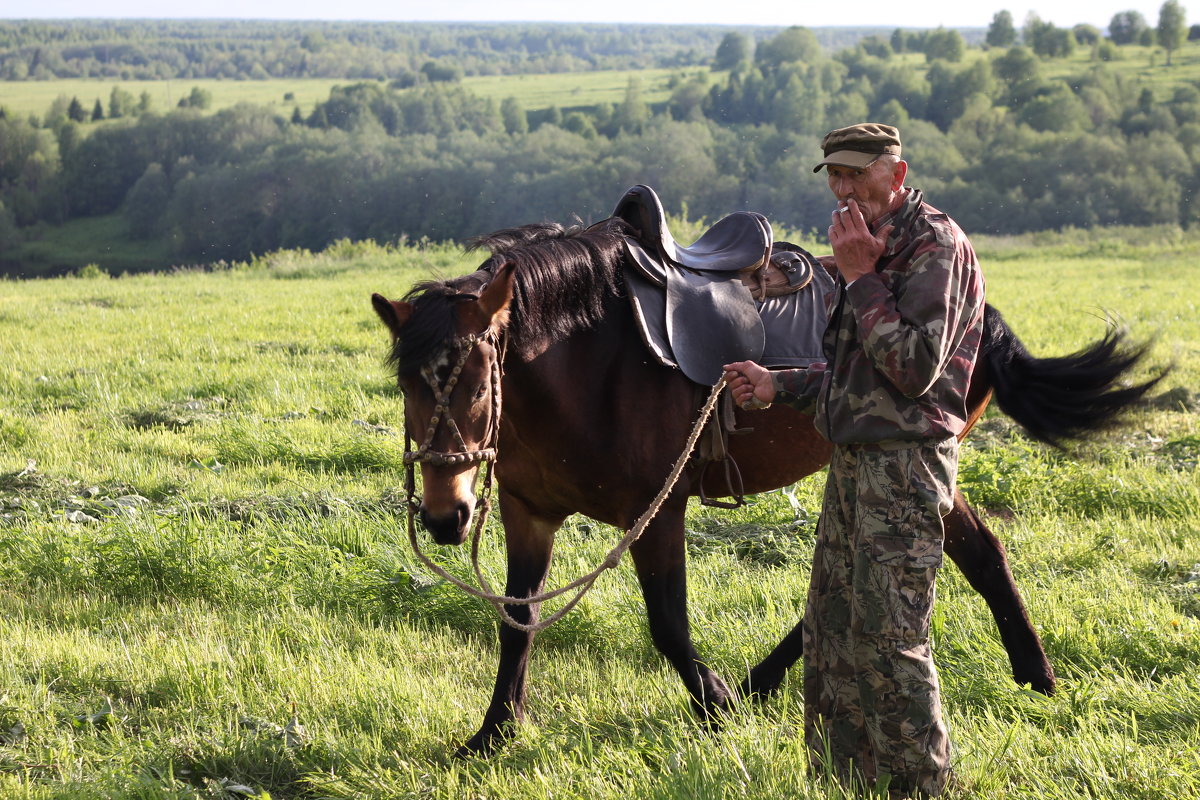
<point x="738" y="241"/>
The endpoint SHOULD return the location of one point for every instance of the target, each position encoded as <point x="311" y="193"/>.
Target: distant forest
<point x="256" y="50"/>
<point x="1029" y="128"/>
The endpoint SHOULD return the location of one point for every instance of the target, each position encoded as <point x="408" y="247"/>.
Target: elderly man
<point x="902" y="340"/>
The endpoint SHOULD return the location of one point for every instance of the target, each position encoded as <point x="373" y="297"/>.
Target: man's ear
<point x="393" y="313"/>
<point x="496" y="298"/>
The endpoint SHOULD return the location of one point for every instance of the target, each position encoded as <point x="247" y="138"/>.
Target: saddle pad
<point x="795" y="323"/>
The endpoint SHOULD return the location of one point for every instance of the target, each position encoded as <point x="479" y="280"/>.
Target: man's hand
<point x="855" y="248"/>
<point x="750" y="384"/>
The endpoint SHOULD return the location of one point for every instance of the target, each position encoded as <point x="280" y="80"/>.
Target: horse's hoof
<point x="755" y="691"/>
<point x="713" y="719"/>
<point x="716" y="709"/>
<point x="1041" y="681"/>
<point x="478" y="746"/>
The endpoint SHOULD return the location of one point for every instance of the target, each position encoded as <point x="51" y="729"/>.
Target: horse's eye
<point x="481" y="392"/>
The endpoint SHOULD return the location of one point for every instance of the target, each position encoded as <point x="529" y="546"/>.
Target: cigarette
<point x="843" y="209"/>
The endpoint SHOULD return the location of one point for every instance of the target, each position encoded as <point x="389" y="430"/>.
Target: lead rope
<point x="584" y="583"/>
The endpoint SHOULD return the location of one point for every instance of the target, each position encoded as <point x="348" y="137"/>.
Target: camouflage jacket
<point x="902" y="342"/>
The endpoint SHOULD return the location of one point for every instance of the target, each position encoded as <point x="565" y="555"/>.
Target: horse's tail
<point x="1057" y="399"/>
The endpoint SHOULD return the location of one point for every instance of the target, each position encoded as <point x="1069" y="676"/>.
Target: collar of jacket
<point x="901" y="220"/>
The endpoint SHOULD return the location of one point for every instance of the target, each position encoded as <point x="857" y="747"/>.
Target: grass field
<point x="205" y="590"/>
<point x="35" y="97"/>
<point x="87" y="240"/>
<point x="1146" y="65"/>
<point x="567" y="89"/>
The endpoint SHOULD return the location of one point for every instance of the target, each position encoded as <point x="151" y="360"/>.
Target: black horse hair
<point x="563" y="278"/>
<point x="430" y="327"/>
<point x="1065" y="397"/>
<point x="564" y="275"/>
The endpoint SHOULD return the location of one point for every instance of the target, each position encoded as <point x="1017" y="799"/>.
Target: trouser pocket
<point x="896" y="589"/>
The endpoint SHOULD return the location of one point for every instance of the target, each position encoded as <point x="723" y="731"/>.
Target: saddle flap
<point x="650" y="313"/>
<point x="711" y="321"/>
<point x="649" y="267"/>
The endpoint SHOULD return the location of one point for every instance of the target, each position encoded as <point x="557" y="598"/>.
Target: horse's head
<point x="446" y="347"/>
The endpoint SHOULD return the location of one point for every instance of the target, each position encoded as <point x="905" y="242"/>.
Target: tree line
<point x="993" y="140"/>
<point x="256" y="49"/>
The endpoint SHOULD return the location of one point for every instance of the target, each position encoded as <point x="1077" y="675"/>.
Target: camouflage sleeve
<point x="798" y="388"/>
<point x="910" y="335"/>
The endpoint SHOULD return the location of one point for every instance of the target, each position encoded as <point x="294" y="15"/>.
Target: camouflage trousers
<point x="871" y="699"/>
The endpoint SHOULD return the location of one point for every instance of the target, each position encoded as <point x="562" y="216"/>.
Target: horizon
<point x="922" y="14"/>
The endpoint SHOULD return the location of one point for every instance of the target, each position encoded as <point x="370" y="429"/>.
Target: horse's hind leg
<point x="530" y="541"/>
<point x="660" y="558"/>
<point x="981" y="557"/>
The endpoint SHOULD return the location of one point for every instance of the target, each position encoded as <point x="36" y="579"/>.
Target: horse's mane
<point x="562" y="279"/>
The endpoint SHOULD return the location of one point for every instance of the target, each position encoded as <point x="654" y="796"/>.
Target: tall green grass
<point x="206" y="589"/>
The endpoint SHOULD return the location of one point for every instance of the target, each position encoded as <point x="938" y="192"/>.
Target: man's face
<point x="873" y="187"/>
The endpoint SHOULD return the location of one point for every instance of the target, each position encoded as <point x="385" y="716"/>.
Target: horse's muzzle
<point x="449" y="528"/>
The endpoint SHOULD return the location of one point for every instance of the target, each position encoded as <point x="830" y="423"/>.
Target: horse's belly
<point x="783" y="448"/>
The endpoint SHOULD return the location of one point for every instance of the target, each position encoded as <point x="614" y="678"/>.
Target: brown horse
<point x="535" y="357"/>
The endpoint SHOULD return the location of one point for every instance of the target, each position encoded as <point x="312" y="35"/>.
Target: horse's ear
<point x="496" y="297"/>
<point x="393" y="313"/>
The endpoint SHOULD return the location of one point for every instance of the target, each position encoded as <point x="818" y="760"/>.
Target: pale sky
<point x="888" y="13"/>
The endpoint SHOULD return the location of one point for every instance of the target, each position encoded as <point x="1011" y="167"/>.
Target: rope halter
<point x="425" y="454"/>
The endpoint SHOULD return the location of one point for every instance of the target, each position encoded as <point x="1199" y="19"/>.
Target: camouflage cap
<point x="858" y="145"/>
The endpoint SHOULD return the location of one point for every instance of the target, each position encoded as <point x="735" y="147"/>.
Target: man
<point x="901" y="345"/>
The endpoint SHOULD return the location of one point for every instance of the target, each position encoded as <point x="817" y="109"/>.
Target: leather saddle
<point x="722" y="298"/>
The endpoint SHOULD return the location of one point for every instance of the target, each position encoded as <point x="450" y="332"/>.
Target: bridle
<point x="425" y="454"/>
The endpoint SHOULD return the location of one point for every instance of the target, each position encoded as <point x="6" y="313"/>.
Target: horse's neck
<point x="577" y="369"/>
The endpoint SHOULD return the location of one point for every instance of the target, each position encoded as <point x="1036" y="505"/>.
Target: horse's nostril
<point x="448" y="528"/>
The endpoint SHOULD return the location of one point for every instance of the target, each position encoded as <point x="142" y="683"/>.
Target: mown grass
<point x="206" y="590"/>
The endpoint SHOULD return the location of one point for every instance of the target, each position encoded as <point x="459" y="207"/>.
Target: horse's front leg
<point x="530" y="541"/>
<point x="981" y="557"/>
<point x="765" y="678"/>
<point x="660" y="557"/>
